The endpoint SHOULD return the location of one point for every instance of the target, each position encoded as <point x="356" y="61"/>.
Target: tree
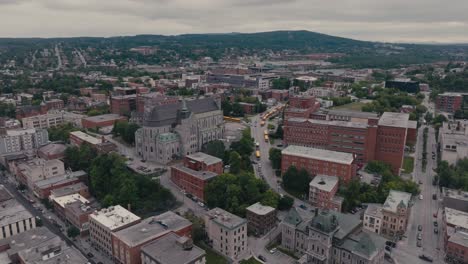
<point x="215" y="148"/>
<point x="62" y="132"/>
<point x="125" y="130"/>
<point x="296" y="181"/>
<point x="285" y="203"/>
<point x="234" y="162"/>
<point x="73" y="232"/>
<point x="275" y="158"/>
<point x="281" y="83"/>
<point x="270" y="198"/>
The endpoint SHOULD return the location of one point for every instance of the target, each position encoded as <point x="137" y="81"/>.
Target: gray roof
<point x="202" y="175"/>
<point x="151" y="228"/>
<point x="225" y="219"/>
<point x="11" y="211"/>
<point x="70" y="189"/>
<point x="4" y="194"/>
<point x="319" y="154"/>
<point x="352" y="113"/>
<point x="460" y="237"/>
<point x="396" y="199"/>
<point x="27" y="239"/>
<point x="164" y="115"/>
<point x="330" y="123"/>
<point x="324" y="182"/>
<point x="374" y="210"/>
<point x="53" y="149"/>
<point x="62" y="179"/>
<point x="259" y="209"/>
<point x="203" y="157"/>
<point x="105" y="117"/>
<point x="324" y="222"/>
<point x="394" y="119"/>
<point x="168" y="250"/>
<point x="293" y="217"/>
<point x="365" y="244"/>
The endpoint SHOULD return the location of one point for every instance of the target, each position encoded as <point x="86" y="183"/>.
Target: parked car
<point x="419" y="227"/>
<point x="436" y="230"/>
<point x="419" y="243"/>
<point x="262" y="258"/>
<point x="434" y="196"/>
<point x="436" y="224"/>
<point x="90" y="255"/>
<point x="426" y="258"/>
<point x="388" y="248"/>
<point x="273" y="250"/>
<point x="302" y="206"/>
<point x="420" y="197"/>
<point x="419" y="236"/>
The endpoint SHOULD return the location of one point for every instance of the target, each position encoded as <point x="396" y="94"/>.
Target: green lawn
<point x="408" y="164"/>
<point x="251" y="260"/>
<point x="356" y="106"/>
<point x="212" y="257"/>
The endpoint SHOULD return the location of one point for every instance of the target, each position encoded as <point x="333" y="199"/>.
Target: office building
<point x="455" y="199"/>
<point x="403" y="84"/>
<point x="102" y="120"/>
<point x="260" y="218"/>
<point x="453" y="139"/>
<point x="455" y="232"/>
<point x="34" y="170"/>
<point x="43" y="121"/>
<point x="77" y="138"/>
<point x="449" y="102"/>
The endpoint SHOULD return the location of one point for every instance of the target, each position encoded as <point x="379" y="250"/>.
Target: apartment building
<point x="14" y="218"/>
<point x="301" y="107"/>
<point x="18" y="140"/>
<point x="127" y="243"/>
<point x="455" y="232"/>
<point x="322" y="191"/>
<point x="37" y="169"/>
<point x="172" y="249"/>
<point x="102" y="120"/>
<point x="78" y="138"/>
<point x="373" y="218"/>
<point x="106" y="221"/>
<point x="449" y="102"/>
<point x="395" y="214"/>
<point x="195" y="173"/>
<point x="260" y="218"/>
<point x="227" y="233"/>
<point x="43" y="121"/>
<point x="319" y="161"/>
<point x="123" y="104"/>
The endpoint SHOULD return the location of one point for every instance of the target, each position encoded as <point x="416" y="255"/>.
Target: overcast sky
<point x="390" y="20"/>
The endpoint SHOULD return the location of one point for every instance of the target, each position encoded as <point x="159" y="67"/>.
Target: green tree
<point x="234" y="162"/>
<point x="275" y="158"/>
<point x="281" y="83"/>
<point x="296" y="180"/>
<point x="215" y="148"/>
<point x="270" y="198"/>
<point x="62" y="132"/>
<point x="285" y="203"/>
<point x="73" y="232"/>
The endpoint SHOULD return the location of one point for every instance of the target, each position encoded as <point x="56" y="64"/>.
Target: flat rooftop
<point x="103" y="118"/>
<point x="459" y="237"/>
<point x="374" y="210"/>
<point x="260" y="209"/>
<point x="319" y="154"/>
<point x="114" y="217"/>
<point x="352" y="113"/>
<point x="11" y="211"/>
<point x="70" y="189"/>
<point x="4" y="194"/>
<point x="324" y="182"/>
<point x="151" y="228"/>
<point x="28" y="239"/>
<point x="330" y="123"/>
<point x="85" y="137"/>
<point x="225" y="219"/>
<point x="396" y="199"/>
<point x="18" y="132"/>
<point x="203" y="157"/>
<point x="394" y="119"/>
<point x="67" y="199"/>
<point x="455" y="194"/>
<point x="202" y="175"/>
<point x="456" y="218"/>
<point x="168" y="249"/>
<point x="67" y="177"/>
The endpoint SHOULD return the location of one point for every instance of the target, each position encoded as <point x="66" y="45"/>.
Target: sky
<point x="376" y="20"/>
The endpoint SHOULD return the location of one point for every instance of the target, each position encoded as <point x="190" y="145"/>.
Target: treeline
<point x="62" y="132"/>
<point x="453" y="176"/>
<point x="235" y="109"/>
<point x="126" y="131"/>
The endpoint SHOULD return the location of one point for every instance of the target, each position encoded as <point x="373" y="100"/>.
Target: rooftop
<point x="28" y="239"/>
<point x="114" y="217"/>
<point x="394" y="119"/>
<point x="152" y="227"/>
<point x="19" y="132"/>
<point x="169" y="249"/>
<point x="205" y="158"/>
<point x="330" y="123"/>
<point x="365" y="244"/>
<point x="53" y="149"/>
<point x="396" y="199"/>
<point x="4" y="194"/>
<point x="11" y="212"/>
<point x="225" y="219"/>
<point x="64" y="200"/>
<point x="324" y="182"/>
<point x="70" y="189"/>
<point x="259" y="209"/>
<point x="459" y="237"/>
<point x="456" y="218"/>
<point x="202" y="175"/>
<point x="85" y="137"/>
<point x="374" y="210"/>
<point x="351" y="113"/>
<point x="319" y="154"/>
<point x="102" y="118"/>
<point x="455" y="194"/>
<point x="69" y="176"/>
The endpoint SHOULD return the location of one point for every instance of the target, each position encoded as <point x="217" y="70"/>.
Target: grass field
<point x="408" y="164"/>
<point x="211" y="256"/>
<point x="356" y="106"/>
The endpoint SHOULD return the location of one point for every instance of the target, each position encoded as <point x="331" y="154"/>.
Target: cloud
<point x="395" y="20"/>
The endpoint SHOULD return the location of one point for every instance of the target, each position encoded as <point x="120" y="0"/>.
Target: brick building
<point x="127" y="243"/>
<point x="43" y="188"/>
<point x="102" y="120"/>
<point x="78" y="138"/>
<point x="260" y="218"/>
<point x="301" y="107"/>
<point x="247" y="108"/>
<point x="56" y="104"/>
<point x="319" y="161"/>
<point x="455" y="232"/>
<point x="322" y="191"/>
<point x="369" y="139"/>
<point x="395" y="214"/>
<point x="280" y="95"/>
<point x="52" y="151"/>
<point x="198" y="169"/>
<point x="123" y="104"/>
<point x="449" y="102"/>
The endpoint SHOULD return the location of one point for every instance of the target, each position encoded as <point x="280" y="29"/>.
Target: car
<point x="436" y="224"/>
<point x="388" y="248"/>
<point x="189" y="195"/>
<point x="436" y="230"/>
<point x="426" y="258"/>
<point x="262" y="258"/>
<point x="419" y="243"/>
<point x="143" y="160"/>
<point x="302" y="206"/>
<point x="419" y="236"/>
<point x="273" y="250"/>
<point x="353" y="211"/>
<point x="419" y="227"/>
<point x="201" y="204"/>
<point x="420" y="197"/>
<point x="434" y="196"/>
<point x="254" y="162"/>
<point x="90" y="255"/>
<point x="420" y="182"/>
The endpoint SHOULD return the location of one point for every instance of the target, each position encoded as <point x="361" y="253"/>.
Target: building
<point x="172" y="249"/>
<point x="102" y="120"/>
<point x="127" y="243"/>
<point x="321" y="92"/>
<point x="52" y="151"/>
<point x="373" y="218"/>
<point x="34" y="170"/>
<point x="79" y="188"/>
<point x="78" y="138"/>
<point x="322" y="191"/>
<point x="455" y="231"/>
<point x="449" y="102"/>
<point x="27" y="140"/>
<point x="106" y="221"/>
<point x="301" y="107"/>
<point x="43" y="188"/>
<point x="43" y="121"/>
<point x="61" y="202"/>
<point x="403" y="84"/>
<point x="330" y="237"/>
<point x="455" y="199"/>
<point x="14" y="218"/>
<point x="319" y="161"/>
<point x="395" y="211"/>
<point x="55" y="104"/>
<point x="176" y="130"/>
<point x="260" y="218"/>
<point x="367" y="137"/>
<point x="123" y="104"/>
<point x="39" y="246"/>
<point x="453" y="139"/>
<point x="227" y="233"/>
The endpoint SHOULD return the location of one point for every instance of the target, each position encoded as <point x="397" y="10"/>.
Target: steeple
<point x="184" y="111"/>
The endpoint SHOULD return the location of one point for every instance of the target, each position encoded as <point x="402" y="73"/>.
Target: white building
<point x="453" y="138"/>
<point x="373" y="216"/>
<point x="227" y="233"/>
<point x="14" y="141"/>
<point x="32" y="171"/>
<point x="14" y="218"/>
<point x="42" y="121"/>
<point x="102" y="223"/>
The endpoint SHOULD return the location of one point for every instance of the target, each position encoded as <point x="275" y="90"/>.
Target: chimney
<point x="129" y="207"/>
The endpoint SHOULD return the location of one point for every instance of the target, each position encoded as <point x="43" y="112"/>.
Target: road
<point x="59" y="59"/>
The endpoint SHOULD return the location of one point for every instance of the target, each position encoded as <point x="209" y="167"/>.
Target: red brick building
<point x="319" y="161"/>
<point x="322" y="191"/>
<point x="198" y="169"/>
<point x="368" y="138"/>
<point x="78" y="138"/>
<point x="449" y="102"/>
<point x="43" y="188"/>
<point x="301" y="106"/>
<point x="55" y="104"/>
<point x="280" y="95"/>
<point x="52" y="151"/>
<point x="248" y="108"/>
<point x="455" y="232"/>
<point x="150" y="100"/>
<point x="102" y="120"/>
<point x="123" y="104"/>
<point x="127" y="243"/>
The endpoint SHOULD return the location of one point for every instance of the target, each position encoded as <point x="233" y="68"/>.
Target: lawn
<point x="212" y="257"/>
<point x="356" y="106"/>
<point x="408" y="164"/>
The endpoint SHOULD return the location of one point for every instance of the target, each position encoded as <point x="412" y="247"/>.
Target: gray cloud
<point x="395" y="20"/>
